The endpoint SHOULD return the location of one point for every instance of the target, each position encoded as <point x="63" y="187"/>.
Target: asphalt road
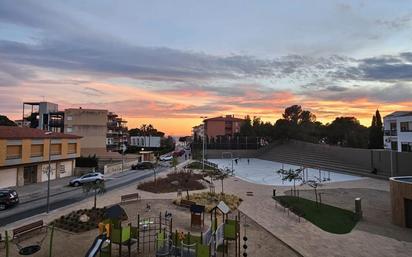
<point x="30" y="206"/>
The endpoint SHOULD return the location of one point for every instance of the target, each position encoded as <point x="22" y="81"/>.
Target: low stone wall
<point x="117" y="167"/>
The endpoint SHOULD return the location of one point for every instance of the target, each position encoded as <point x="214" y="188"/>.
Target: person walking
<point x="248" y="161"/>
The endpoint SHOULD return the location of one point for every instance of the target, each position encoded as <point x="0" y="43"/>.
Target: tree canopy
<point x="5" y="121"/>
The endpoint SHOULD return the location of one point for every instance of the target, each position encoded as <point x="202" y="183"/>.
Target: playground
<point x="162" y="226"/>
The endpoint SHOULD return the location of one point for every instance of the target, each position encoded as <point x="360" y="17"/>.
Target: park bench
<point x="129" y="197"/>
<point x="186" y="203"/>
<point x="18" y="232"/>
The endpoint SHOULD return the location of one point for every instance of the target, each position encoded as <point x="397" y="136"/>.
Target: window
<point x="36" y="150"/>
<point x="406" y="147"/>
<point x="56" y="149"/>
<point x="69" y="118"/>
<point x="13" y="152"/>
<point x="393" y="126"/>
<point x="72" y="148"/>
<point x="394" y="146"/>
<point x="406" y="126"/>
<point x="69" y="129"/>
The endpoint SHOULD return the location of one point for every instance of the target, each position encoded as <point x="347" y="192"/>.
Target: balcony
<point x="390" y="133"/>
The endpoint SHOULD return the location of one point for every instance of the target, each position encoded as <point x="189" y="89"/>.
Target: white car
<point x="95" y="177"/>
<point x="166" y="158"/>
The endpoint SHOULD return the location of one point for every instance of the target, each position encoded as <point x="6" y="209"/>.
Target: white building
<point x="145" y="141"/>
<point x="398" y="131"/>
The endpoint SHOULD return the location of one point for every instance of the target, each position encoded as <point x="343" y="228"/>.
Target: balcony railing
<point x="390" y="133"/>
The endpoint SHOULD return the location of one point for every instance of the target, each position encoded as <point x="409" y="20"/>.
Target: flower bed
<point x="80" y="220"/>
<point x="210" y="200"/>
<point x="173" y="182"/>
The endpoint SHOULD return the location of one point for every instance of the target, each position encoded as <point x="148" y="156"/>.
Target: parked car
<point x="89" y="177"/>
<point x="142" y="166"/>
<point x="8" y="197"/>
<point x="166" y="158"/>
<point x="179" y="153"/>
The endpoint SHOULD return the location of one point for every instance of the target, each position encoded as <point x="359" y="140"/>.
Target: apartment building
<point x="25" y="153"/>
<point x="198" y="131"/>
<point x="117" y="133"/>
<point x="42" y="115"/>
<point x="398" y="131"/>
<point x="145" y="141"/>
<point x="90" y="124"/>
<point x="222" y="126"/>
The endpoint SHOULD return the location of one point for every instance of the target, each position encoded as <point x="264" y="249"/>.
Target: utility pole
<point x="48" y="174"/>
<point x="203" y="144"/>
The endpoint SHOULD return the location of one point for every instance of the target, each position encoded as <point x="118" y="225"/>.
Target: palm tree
<point x="291" y="175"/>
<point x="96" y="187"/>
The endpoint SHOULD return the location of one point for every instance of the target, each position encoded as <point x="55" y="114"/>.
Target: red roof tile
<point x="10" y="132"/>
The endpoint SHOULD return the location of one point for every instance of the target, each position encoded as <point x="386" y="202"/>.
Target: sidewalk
<point x="107" y="199"/>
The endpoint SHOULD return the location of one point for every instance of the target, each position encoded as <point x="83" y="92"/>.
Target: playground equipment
<point x="197" y="215"/>
<point x="29" y="249"/>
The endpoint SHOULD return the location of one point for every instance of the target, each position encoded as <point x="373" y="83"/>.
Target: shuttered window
<point x="13" y="152"/>
<point x="36" y="150"/>
<point x="72" y="148"/>
<point x="56" y="149"/>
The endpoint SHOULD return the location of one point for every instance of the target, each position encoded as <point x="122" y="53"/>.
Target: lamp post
<point x="203" y="143"/>
<point x="48" y="174"/>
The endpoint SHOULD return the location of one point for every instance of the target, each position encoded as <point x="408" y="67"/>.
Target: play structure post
<point x="51" y="241"/>
<point x="7" y="243"/>
<point x="138" y="233"/>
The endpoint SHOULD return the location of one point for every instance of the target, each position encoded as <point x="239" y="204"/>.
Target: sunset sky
<point x="169" y="62"/>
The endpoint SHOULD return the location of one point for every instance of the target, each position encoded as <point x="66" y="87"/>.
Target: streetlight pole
<point x="203" y="144"/>
<point x="48" y="174"/>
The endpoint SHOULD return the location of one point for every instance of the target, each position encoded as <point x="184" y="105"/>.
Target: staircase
<point x="292" y="154"/>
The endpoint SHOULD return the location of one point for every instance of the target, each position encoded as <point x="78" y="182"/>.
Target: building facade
<point x="90" y="124"/>
<point x="42" y="115"/>
<point x="25" y="152"/>
<point x="145" y="141"/>
<point x="222" y="126"/>
<point x="117" y="133"/>
<point x="398" y="131"/>
<point x="198" y="132"/>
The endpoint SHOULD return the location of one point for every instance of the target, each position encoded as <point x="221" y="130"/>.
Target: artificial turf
<point x="329" y="218"/>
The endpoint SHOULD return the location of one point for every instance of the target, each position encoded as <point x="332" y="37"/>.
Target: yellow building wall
<point x="3" y="153"/>
<point x="26" y="150"/>
<point x="64" y="148"/>
<point x="78" y="147"/>
<point x="46" y="149"/>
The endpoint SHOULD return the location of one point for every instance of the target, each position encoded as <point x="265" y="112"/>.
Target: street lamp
<point x="48" y="174"/>
<point x="203" y="143"/>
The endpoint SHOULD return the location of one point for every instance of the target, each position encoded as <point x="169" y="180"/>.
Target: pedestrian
<point x="248" y="160"/>
<point x="236" y="161"/>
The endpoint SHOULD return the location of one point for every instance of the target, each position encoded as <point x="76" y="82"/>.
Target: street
<point x="61" y="194"/>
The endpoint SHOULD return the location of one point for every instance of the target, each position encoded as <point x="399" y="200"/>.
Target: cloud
<point x="396" y="23"/>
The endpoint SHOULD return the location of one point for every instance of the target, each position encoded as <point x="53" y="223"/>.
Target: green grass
<point x="198" y="166"/>
<point x="329" y="218"/>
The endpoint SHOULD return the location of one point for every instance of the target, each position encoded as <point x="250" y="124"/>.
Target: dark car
<point x="8" y="197"/>
<point x="142" y="166"/>
<point x="179" y="153"/>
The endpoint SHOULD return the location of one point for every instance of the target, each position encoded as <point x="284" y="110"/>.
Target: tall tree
<point x="246" y="129"/>
<point x="293" y="113"/>
<point x="5" y="121"/>
<point x="376" y="132"/>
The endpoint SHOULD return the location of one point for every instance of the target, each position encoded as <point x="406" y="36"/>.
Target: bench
<point x="17" y="232"/>
<point x="186" y="203"/>
<point x="129" y="197"/>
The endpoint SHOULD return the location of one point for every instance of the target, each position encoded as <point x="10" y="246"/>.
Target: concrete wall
<point x="368" y="159"/>
<point x="117" y="167"/>
<point x="8" y="177"/>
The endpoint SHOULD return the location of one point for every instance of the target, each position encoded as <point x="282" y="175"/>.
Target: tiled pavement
<point x="304" y="237"/>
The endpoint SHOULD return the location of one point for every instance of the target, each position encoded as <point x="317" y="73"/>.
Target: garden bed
<point x="210" y="200"/>
<point x="173" y="182"/>
<point x="198" y="166"/>
<point x="329" y="218"/>
<point x="80" y="220"/>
